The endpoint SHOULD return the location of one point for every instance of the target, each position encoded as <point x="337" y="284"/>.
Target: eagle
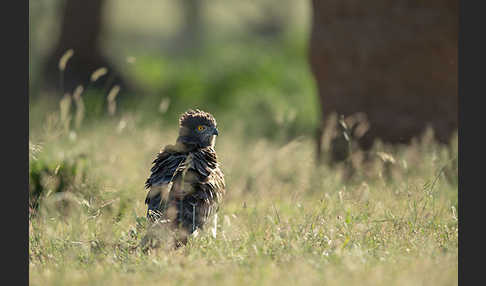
<point x="186" y="185"/>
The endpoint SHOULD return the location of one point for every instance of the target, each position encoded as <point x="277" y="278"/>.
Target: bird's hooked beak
<point x="215" y="131"/>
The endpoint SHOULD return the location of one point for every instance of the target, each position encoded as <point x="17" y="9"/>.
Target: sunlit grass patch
<point x="284" y="220"/>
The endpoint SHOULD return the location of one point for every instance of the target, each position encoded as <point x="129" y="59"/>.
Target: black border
<point x="15" y="137"/>
<point x="471" y="81"/>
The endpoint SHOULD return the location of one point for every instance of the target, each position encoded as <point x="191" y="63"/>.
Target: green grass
<point x="283" y="221"/>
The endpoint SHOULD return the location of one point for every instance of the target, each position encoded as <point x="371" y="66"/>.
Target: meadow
<point x="285" y="220"/>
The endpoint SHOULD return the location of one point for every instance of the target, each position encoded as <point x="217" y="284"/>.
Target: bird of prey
<point x="186" y="185"/>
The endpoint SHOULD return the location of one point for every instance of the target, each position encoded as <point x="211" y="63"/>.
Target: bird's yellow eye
<point x="201" y="128"/>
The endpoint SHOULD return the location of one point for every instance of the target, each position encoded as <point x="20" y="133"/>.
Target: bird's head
<point x="197" y="128"/>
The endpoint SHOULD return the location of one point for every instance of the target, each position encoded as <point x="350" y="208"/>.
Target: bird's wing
<point x="162" y="171"/>
<point x="211" y="182"/>
<point x="197" y="189"/>
<point x="199" y="175"/>
<point x="183" y="179"/>
<point x="210" y="186"/>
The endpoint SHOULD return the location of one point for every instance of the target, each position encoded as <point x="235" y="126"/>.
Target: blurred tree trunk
<point x="276" y="20"/>
<point x="81" y="26"/>
<point x="191" y="37"/>
<point x="395" y="61"/>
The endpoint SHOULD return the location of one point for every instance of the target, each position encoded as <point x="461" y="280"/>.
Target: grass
<point x="284" y="221"/>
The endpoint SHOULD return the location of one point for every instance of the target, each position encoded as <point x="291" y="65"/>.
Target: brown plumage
<point x="186" y="185"/>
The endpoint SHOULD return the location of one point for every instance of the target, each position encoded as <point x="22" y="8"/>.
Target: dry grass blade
<point x="98" y="73"/>
<point x="164" y="105"/>
<point x="65" y="58"/>
<point x="34" y="149"/>
<point x="109" y="203"/>
<point x="131" y="60"/>
<point x="113" y="93"/>
<point x="79" y="105"/>
<point x="111" y="99"/>
<point x="77" y="92"/>
<point x="386" y="157"/>
<point x="65" y="107"/>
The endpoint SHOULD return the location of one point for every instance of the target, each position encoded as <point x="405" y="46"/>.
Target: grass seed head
<point x="65" y="58"/>
<point x="111" y="99"/>
<point x="98" y="73"/>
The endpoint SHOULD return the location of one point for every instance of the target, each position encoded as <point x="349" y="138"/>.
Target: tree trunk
<point x="191" y="34"/>
<point x="395" y="61"/>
